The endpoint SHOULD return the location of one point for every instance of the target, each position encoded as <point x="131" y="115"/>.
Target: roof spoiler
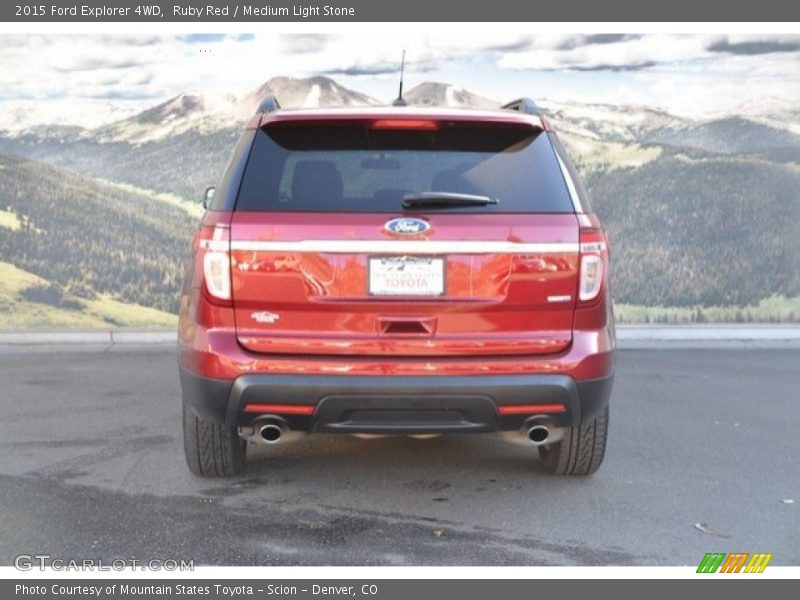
<point x="269" y="104"/>
<point x="523" y="105"/>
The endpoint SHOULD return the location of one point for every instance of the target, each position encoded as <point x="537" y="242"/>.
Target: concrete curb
<point x="110" y="337"/>
<point x="722" y="333"/>
<point x="628" y="337"/>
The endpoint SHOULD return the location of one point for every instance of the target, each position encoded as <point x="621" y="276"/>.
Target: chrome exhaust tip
<point x="271" y="433"/>
<point x="538" y="434"/>
<point x="539" y="430"/>
<point x="269" y="430"/>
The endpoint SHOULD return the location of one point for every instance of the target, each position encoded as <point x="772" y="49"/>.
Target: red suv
<point x="397" y="271"/>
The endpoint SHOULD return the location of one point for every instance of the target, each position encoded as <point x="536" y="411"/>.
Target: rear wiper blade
<point x="445" y="200"/>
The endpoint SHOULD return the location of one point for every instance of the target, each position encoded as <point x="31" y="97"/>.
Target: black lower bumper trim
<point x="404" y="413"/>
<point x="406" y="404"/>
<point x="208" y="397"/>
<point x="593" y="395"/>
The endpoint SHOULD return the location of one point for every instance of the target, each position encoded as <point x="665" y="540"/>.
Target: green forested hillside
<point x="28" y="302"/>
<point x="701" y="214"/>
<point x="733" y="135"/>
<point x="184" y="164"/>
<point x="711" y="232"/>
<point x="90" y="239"/>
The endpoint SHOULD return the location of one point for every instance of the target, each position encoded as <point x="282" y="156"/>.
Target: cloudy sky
<point x="86" y="79"/>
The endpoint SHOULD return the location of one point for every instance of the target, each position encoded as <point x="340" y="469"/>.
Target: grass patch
<point x="10" y="220"/>
<point x="775" y="309"/>
<point x="121" y="314"/>
<point x="193" y="209"/>
<point x="593" y="155"/>
<point x="103" y="312"/>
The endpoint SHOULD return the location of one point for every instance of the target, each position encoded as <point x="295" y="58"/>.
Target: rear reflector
<point x="531" y="409"/>
<point x="415" y="124"/>
<point x="280" y="409"/>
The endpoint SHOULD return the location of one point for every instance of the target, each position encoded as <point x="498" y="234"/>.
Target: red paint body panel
<point x="493" y="304"/>
<point x="216" y="353"/>
<point x="494" y="318"/>
<point x="210" y="346"/>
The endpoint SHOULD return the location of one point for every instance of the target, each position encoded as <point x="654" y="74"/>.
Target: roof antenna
<point x="399" y="100"/>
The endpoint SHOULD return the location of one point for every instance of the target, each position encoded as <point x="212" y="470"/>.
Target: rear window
<point x="353" y="168"/>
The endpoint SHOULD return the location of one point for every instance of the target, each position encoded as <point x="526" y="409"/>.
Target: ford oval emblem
<point x="407" y="226"/>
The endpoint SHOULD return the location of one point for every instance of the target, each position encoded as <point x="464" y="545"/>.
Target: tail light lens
<point x="594" y="264"/>
<point x="213" y="255"/>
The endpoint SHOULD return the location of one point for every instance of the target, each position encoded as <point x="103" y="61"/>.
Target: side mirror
<point x="208" y="197"/>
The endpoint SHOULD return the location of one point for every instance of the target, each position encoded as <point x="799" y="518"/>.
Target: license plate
<point x="406" y="276"/>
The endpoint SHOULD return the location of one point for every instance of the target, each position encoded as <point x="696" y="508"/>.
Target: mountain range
<point x="701" y="212"/>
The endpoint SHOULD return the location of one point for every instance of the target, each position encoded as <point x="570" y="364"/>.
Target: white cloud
<point x="626" y="54"/>
<point x="87" y="75"/>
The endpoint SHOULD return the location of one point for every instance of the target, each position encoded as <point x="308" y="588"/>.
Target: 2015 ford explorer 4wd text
<point x="397" y="271"/>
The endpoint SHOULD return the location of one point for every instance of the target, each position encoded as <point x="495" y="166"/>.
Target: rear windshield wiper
<point x="445" y="200"/>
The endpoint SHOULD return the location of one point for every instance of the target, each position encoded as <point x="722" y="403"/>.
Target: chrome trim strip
<point x="405" y="247"/>
<point x="565" y="298"/>
<point x="573" y="192"/>
<point x="215" y="245"/>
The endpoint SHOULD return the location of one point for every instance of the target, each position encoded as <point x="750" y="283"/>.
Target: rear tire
<point x="212" y="449"/>
<point x="580" y="451"/>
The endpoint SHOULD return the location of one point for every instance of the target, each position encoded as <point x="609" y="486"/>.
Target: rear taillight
<point x="213" y="257"/>
<point x="594" y="264"/>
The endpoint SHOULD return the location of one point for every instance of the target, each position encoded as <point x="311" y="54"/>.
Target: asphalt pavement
<point x="703" y="456"/>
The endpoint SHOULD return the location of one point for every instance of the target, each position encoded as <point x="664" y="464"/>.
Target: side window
<point x="228" y="186"/>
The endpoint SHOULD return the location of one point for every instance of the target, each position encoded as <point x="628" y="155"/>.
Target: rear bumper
<point x="398" y="404"/>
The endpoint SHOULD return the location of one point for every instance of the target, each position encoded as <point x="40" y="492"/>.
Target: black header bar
<point x="265" y="11"/>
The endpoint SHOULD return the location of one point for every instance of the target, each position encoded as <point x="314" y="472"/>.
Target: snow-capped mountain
<point x="775" y="112"/>
<point x="311" y="92"/>
<point x="734" y="135"/>
<point x="176" y="115"/>
<point x="431" y="93"/>
<point x="18" y="117"/>
<point x="206" y="114"/>
<point x="769" y="107"/>
<point x="608" y="122"/>
<point x="179" y="145"/>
